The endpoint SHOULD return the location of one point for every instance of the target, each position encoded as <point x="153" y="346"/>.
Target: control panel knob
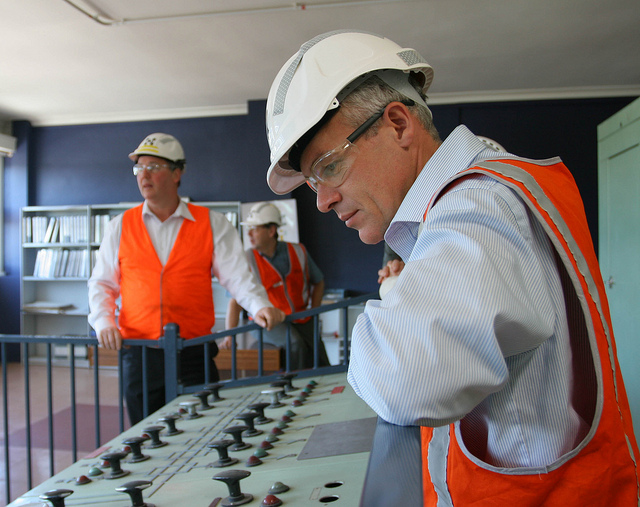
<point x="154" y="435"/>
<point x="57" y="496"/>
<point x="259" y="408"/>
<point x="134" y="444"/>
<point x="170" y="422"/>
<point x="274" y="394"/>
<point x="283" y="384"/>
<point x="134" y="490"/>
<point x="288" y="377"/>
<point x="248" y="419"/>
<point x="236" y="433"/>
<point x="113" y="459"/>
<point x="214" y="388"/>
<point x="223" y="454"/>
<point x="232" y="479"/>
<point x="190" y="407"/>
<point x="203" y="397"/>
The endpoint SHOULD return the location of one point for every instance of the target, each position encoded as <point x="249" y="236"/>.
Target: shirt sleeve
<point x="104" y="283"/>
<point x="231" y="268"/>
<point x="472" y="292"/>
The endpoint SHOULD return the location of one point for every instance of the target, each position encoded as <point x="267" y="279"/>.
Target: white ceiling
<point x="59" y="66"/>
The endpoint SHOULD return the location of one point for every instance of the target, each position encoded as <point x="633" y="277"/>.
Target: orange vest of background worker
<point x="154" y="295"/>
<point x="601" y="469"/>
<point x="291" y="292"/>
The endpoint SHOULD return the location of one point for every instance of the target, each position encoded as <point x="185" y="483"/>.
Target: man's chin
<point x="369" y="237"/>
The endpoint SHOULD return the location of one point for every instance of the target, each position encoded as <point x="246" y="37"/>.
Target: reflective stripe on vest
<point x="291" y="293"/>
<point x="602" y="469"/>
<point x="180" y="292"/>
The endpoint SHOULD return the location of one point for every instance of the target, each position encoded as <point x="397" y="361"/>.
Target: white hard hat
<point x="311" y="82"/>
<point x="160" y="145"/>
<point x="263" y="213"/>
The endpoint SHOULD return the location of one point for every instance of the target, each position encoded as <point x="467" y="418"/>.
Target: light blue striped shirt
<point x="475" y="329"/>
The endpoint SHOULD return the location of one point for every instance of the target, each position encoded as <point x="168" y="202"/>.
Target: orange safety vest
<point x="601" y="470"/>
<point x="291" y="293"/>
<point x="179" y="292"/>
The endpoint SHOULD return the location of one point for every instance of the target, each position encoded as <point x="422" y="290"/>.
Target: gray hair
<point x="373" y="95"/>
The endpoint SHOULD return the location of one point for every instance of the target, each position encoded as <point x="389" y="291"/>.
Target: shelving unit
<point x="59" y="244"/>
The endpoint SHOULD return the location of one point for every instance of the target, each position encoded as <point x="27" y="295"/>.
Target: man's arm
<point x="317" y="291"/>
<point x="231" y="320"/>
<point x="232" y="269"/>
<point x="104" y="288"/>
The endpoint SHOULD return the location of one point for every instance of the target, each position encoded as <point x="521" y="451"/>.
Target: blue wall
<point x="227" y="158"/>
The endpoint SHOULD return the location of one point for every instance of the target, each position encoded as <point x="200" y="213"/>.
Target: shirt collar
<point x="182" y="211"/>
<point x="460" y="150"/>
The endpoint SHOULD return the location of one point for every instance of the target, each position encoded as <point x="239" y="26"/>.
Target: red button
<point x="271" y="501"/>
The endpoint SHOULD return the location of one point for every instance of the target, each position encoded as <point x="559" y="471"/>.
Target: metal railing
<point x="172" y="345"/>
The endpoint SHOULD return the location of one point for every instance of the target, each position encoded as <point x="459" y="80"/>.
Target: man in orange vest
<point x="159" y="258"/>
<point x="496" y="338"/>
<point x="292" y="280"/>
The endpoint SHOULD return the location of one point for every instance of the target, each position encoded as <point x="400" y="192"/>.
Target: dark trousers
<point x="191" y="373"/>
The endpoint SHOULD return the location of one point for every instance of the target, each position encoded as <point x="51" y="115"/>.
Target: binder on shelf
<point x="49" y="233"/>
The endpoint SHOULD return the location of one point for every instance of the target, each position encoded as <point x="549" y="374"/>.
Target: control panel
<point x="295" y="441"/>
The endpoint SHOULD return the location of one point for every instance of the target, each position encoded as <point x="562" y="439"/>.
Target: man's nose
<point x="327" y="197"/>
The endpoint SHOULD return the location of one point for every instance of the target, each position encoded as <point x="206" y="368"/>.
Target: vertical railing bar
<point x="288" y="349"/>
<point x="260" y="355"/>
<point x="50" y="410"/>
<point x="206" y="361"/>
<point x="171" y="344"/>
<point x="27" y="403"/>
<point x="316" y="340"/>
<point x="72" y="378"/>
<point x="145" y="384"/>
<point x="5" y="413"/>
<point x="96" y="392"/>
<point x="234" y="351"/>
<point x="120" y="392"/>
<point x="345" y="335"/>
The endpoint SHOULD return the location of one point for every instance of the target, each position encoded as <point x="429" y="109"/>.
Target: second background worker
<point x="293" y="282"/>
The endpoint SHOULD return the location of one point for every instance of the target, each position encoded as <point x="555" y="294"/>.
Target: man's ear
<point x="177" y="175"/>
<point x="397" y="116"/>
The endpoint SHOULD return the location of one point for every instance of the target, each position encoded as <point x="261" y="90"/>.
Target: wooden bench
<point x="247" y="361"/>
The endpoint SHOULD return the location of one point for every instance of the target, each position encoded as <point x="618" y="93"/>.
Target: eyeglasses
<point x="331" y="168"/>
<point x="152" y="168"/>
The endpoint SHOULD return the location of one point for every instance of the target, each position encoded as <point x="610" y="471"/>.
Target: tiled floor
<point x="61" y="389"/>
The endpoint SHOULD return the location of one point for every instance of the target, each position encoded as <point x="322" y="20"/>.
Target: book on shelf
<point x="99" y="226"/>
<point x="61" y="263"/>
<point x="47" y="307"/>
<point x="55" y="229"/>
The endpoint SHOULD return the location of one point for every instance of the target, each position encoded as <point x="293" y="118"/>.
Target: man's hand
<point x="226" y="343"/>
<point x="110" y="338"/>
<point x="269" y="317"/>
<point x="393" y="268"/>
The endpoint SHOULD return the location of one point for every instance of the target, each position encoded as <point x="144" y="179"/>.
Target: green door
<point x="619" y="239"/>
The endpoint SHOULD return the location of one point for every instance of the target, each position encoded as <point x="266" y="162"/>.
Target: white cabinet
<point x="59" y="244"/>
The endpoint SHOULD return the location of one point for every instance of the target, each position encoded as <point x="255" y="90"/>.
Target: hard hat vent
<point x="411" y="57"/>
<point x="281" y="94"/>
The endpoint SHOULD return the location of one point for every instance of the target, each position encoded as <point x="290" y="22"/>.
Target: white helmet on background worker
<point x="160" y="145"/>
<point x="263" y="213"/>
<point x="314" y="80"/>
